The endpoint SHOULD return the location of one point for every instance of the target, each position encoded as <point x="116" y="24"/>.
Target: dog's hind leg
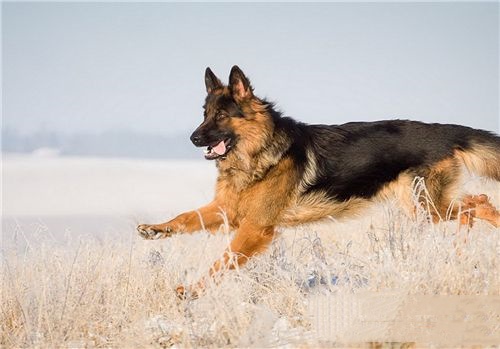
<point x="208" y="217"/>
<point x="466" y="210"/>
<point x="479" y="206"/>
<point x="443" y="186"/>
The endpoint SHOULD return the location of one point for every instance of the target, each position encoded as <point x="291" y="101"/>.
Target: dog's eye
<point x="220" y="116"/>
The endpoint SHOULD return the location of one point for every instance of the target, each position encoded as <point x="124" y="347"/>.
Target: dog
<point x="275" y="171"/>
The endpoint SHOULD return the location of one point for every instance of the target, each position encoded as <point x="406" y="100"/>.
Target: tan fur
<point x="478" y="206"/>
<point x="258" y="150"/>
<point x="443" y="182"/>
<point x="443" y="185"/>
<point x="316" y="206"/>
<point x="482" y="159"/>
<point x="310" y="171"/>
<point x="400" y="190"/>
<point x="208" y="217"/>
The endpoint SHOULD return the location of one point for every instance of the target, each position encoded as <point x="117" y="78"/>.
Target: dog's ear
<point x="212" y="82"/>
<point x="239" y="84"/>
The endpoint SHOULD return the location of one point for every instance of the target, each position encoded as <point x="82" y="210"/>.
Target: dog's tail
<point x="483" y="156"/>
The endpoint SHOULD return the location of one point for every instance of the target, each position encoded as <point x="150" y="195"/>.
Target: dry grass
<point x="120" y="292"/>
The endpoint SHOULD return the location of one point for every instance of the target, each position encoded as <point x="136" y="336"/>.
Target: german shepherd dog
<point x="275" y="171"/>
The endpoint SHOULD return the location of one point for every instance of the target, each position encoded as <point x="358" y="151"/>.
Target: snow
<point x="55" y="186"/>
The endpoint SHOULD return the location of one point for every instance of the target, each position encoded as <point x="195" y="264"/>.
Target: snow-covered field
<point x="96" y="196"/>
<point x="75" y="274"/>
<point x="41" y="186"/>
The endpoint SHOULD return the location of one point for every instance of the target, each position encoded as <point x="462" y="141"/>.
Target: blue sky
<point x="94" y="67"/>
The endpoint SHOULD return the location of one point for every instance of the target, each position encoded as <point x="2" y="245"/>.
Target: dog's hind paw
<point x="181" y="292"/>
<point x="189" y="292"/>
<point x="154" y="232"/>
<point x="479" y="206"/>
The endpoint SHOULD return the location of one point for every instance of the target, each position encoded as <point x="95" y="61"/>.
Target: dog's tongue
<point x="220" y="148"/>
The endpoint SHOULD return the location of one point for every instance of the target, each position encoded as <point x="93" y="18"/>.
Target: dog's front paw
<point x="154" y="232"/>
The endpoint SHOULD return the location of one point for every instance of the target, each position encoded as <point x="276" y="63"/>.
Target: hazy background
<point x="126" y="79"/>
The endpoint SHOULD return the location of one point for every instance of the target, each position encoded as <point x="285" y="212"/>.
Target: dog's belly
<point x="316" y="206"/>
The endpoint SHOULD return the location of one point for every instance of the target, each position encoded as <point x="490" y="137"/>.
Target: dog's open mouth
<point x="218" y="149"/>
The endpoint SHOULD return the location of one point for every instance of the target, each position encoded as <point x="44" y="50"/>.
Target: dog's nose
<point x="196" y="139"/>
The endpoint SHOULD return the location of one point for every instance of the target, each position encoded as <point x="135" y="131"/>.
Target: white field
<point x="75" y="274"/>
<point x="41" y="186"/>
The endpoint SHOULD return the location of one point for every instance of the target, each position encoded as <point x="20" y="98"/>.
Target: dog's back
<point x="360" y="161"/>
<point x="357" y="159"/>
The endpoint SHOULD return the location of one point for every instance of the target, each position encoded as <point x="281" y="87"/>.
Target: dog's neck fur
<point x="243" y="168"/>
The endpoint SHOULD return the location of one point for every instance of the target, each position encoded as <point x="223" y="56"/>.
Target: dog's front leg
<point x="208" y="217"/>
<point x="249" y="240"/>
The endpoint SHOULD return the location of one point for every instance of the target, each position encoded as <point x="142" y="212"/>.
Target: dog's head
<point x="234" y="119"/>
